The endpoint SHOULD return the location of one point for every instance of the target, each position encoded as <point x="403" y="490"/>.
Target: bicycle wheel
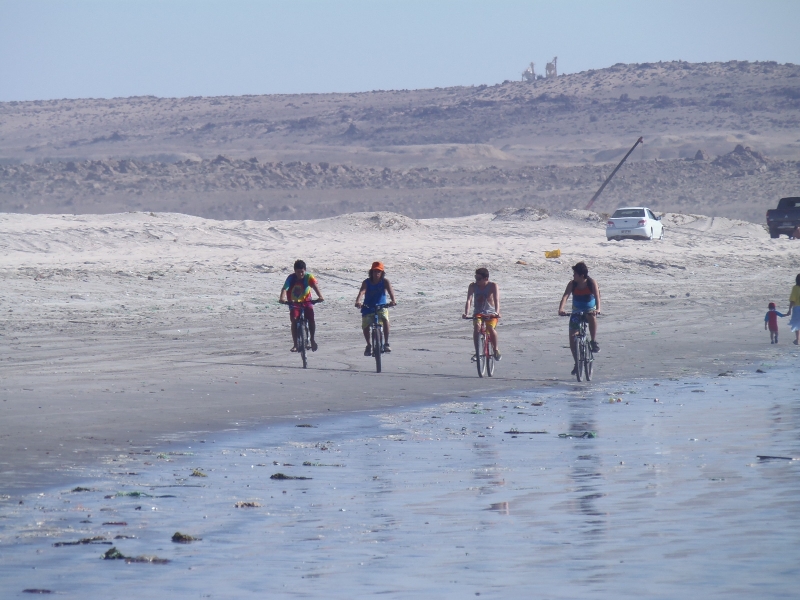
<point x="588" y="365"/>
<point x="581" y="357"/>
<point x="302" y="335"/>
<point x="480" y="357"/>
<point x="489" y="358"/>
<point x="376" y="347"/>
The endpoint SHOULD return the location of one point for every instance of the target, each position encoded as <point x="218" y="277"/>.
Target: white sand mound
<point x="373" y="220"/>
<point x="577" y="214"/>
<point x="526" y="213"/>
<point x="717" y="225"/>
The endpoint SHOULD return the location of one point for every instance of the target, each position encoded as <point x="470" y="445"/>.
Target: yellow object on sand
<point x="552" y="253"/>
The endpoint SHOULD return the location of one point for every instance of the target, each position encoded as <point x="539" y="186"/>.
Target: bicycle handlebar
<point x="301" y="304"/>
<point x="377" y="307"/>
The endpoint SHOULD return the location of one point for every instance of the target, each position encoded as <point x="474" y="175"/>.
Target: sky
<point x="53" y="49"/>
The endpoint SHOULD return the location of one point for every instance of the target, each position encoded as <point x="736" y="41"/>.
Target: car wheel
<point x="650" y="237"/>
<point x="661" y="237"/>
<point x="773" y="233"/>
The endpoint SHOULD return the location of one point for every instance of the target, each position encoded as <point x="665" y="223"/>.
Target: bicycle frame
<point x="376" y="334"/>
<point x="301" y="333"/>
<point x="484" y="351"/>
<point x="583" y="349"/>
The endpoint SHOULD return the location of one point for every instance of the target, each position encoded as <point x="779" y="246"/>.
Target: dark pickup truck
<point x="785" y="218"/>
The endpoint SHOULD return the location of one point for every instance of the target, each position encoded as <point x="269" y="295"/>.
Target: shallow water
<point x="668" y="500"/>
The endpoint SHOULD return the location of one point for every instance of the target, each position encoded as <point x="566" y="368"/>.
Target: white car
<point x="634" y="222"/>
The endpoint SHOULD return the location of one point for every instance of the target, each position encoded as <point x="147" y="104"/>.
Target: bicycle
<point x="484" y="349"/>
<point x="301" y="335"/>
<point x="376" y="334"/>
<point x="584" y="348"/>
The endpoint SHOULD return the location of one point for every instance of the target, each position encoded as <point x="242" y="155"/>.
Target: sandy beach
<point x="122" y="330"/>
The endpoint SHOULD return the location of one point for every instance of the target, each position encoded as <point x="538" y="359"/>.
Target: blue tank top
<point x="583" y="300"/>
<point x="375" y="294"/>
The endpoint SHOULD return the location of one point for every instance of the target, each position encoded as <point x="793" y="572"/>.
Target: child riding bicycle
<point x="374" y="290"/>
<point x="484" y="296"/>
<point x="585" y="299"/>
<point x="296" y="292"/>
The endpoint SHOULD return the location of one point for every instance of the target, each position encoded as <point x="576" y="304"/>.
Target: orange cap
<point x="377" y="266"/>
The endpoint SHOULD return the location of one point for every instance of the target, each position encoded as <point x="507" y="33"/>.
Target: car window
<point x="788" y="203"/>
<point x="650" y="214"/>
<point x="628" y="212"/>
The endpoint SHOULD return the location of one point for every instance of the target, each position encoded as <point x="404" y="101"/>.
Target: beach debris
<point x="99" y="539"/>
<point x="114" y="554"/>
<point x="36" y="591"/>
<point x="760" y="371"/>
<point x="182" y="538"/>
<point x="726" y="374"/>
<point x="82" y="489"/>
<point x="578" y="434"/>
<point x="612" y="400"/>
<point x="518" y="432"/>
<point x="656" y="400"/>
<point x="116" y="523"/>
<point x="137" y="494"/>
<point x="247" y="505"/>
<point x="308" y="463"/>
<point x="521" y="262"/>
<point x="552" y="253"/>
<point x="537" y="403"/>
<point x="698" y="391"/>
<point x="281" y="476"/>
<point x="760" y="457"/>
<point x="305" y="425"/>
<point x="198" y="473"/>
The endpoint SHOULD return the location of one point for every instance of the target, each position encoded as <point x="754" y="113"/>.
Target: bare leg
<point x="592" y="320"/>
<point x="385" y="331"/>
<point x="292" y="332"/>
<point x="365" y="330"/>
<point x="573" y="345"/>
<point x="312" y="328"/>
<point x="476" y="331"/>
<point x="493" y="336"/>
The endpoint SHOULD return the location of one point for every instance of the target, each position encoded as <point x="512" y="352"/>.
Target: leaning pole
<point x="614" y="172"/>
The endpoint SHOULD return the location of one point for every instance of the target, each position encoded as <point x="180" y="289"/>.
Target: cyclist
<point x="374" y="290"/>
<point x="297" y="290"/>
<point x="585" y="298"/>
<point x="484" y="295"/>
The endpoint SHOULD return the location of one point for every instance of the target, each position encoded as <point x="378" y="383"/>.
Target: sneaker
<point x="594" y="346"/>
<point x="368" y="350"/>
<point x="497" y="356"/>
<point x="795" y="342"/>
<point x="386" y="347"/>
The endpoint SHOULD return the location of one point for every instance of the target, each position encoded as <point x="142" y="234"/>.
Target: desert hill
<point x="425" y="153"/>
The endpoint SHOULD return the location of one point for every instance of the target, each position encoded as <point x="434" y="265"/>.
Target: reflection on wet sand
<point x="664" y="499"/>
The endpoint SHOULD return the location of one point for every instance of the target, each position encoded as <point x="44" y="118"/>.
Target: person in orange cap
<point x="373" y="291"/>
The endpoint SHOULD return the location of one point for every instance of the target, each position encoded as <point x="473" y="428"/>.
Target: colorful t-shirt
<point x="795" y="296"/>
<point x="771" y="318"/>
<point x="299" y="290"/>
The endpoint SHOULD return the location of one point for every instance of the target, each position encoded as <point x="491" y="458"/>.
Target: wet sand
<point x="663" y="499"/>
